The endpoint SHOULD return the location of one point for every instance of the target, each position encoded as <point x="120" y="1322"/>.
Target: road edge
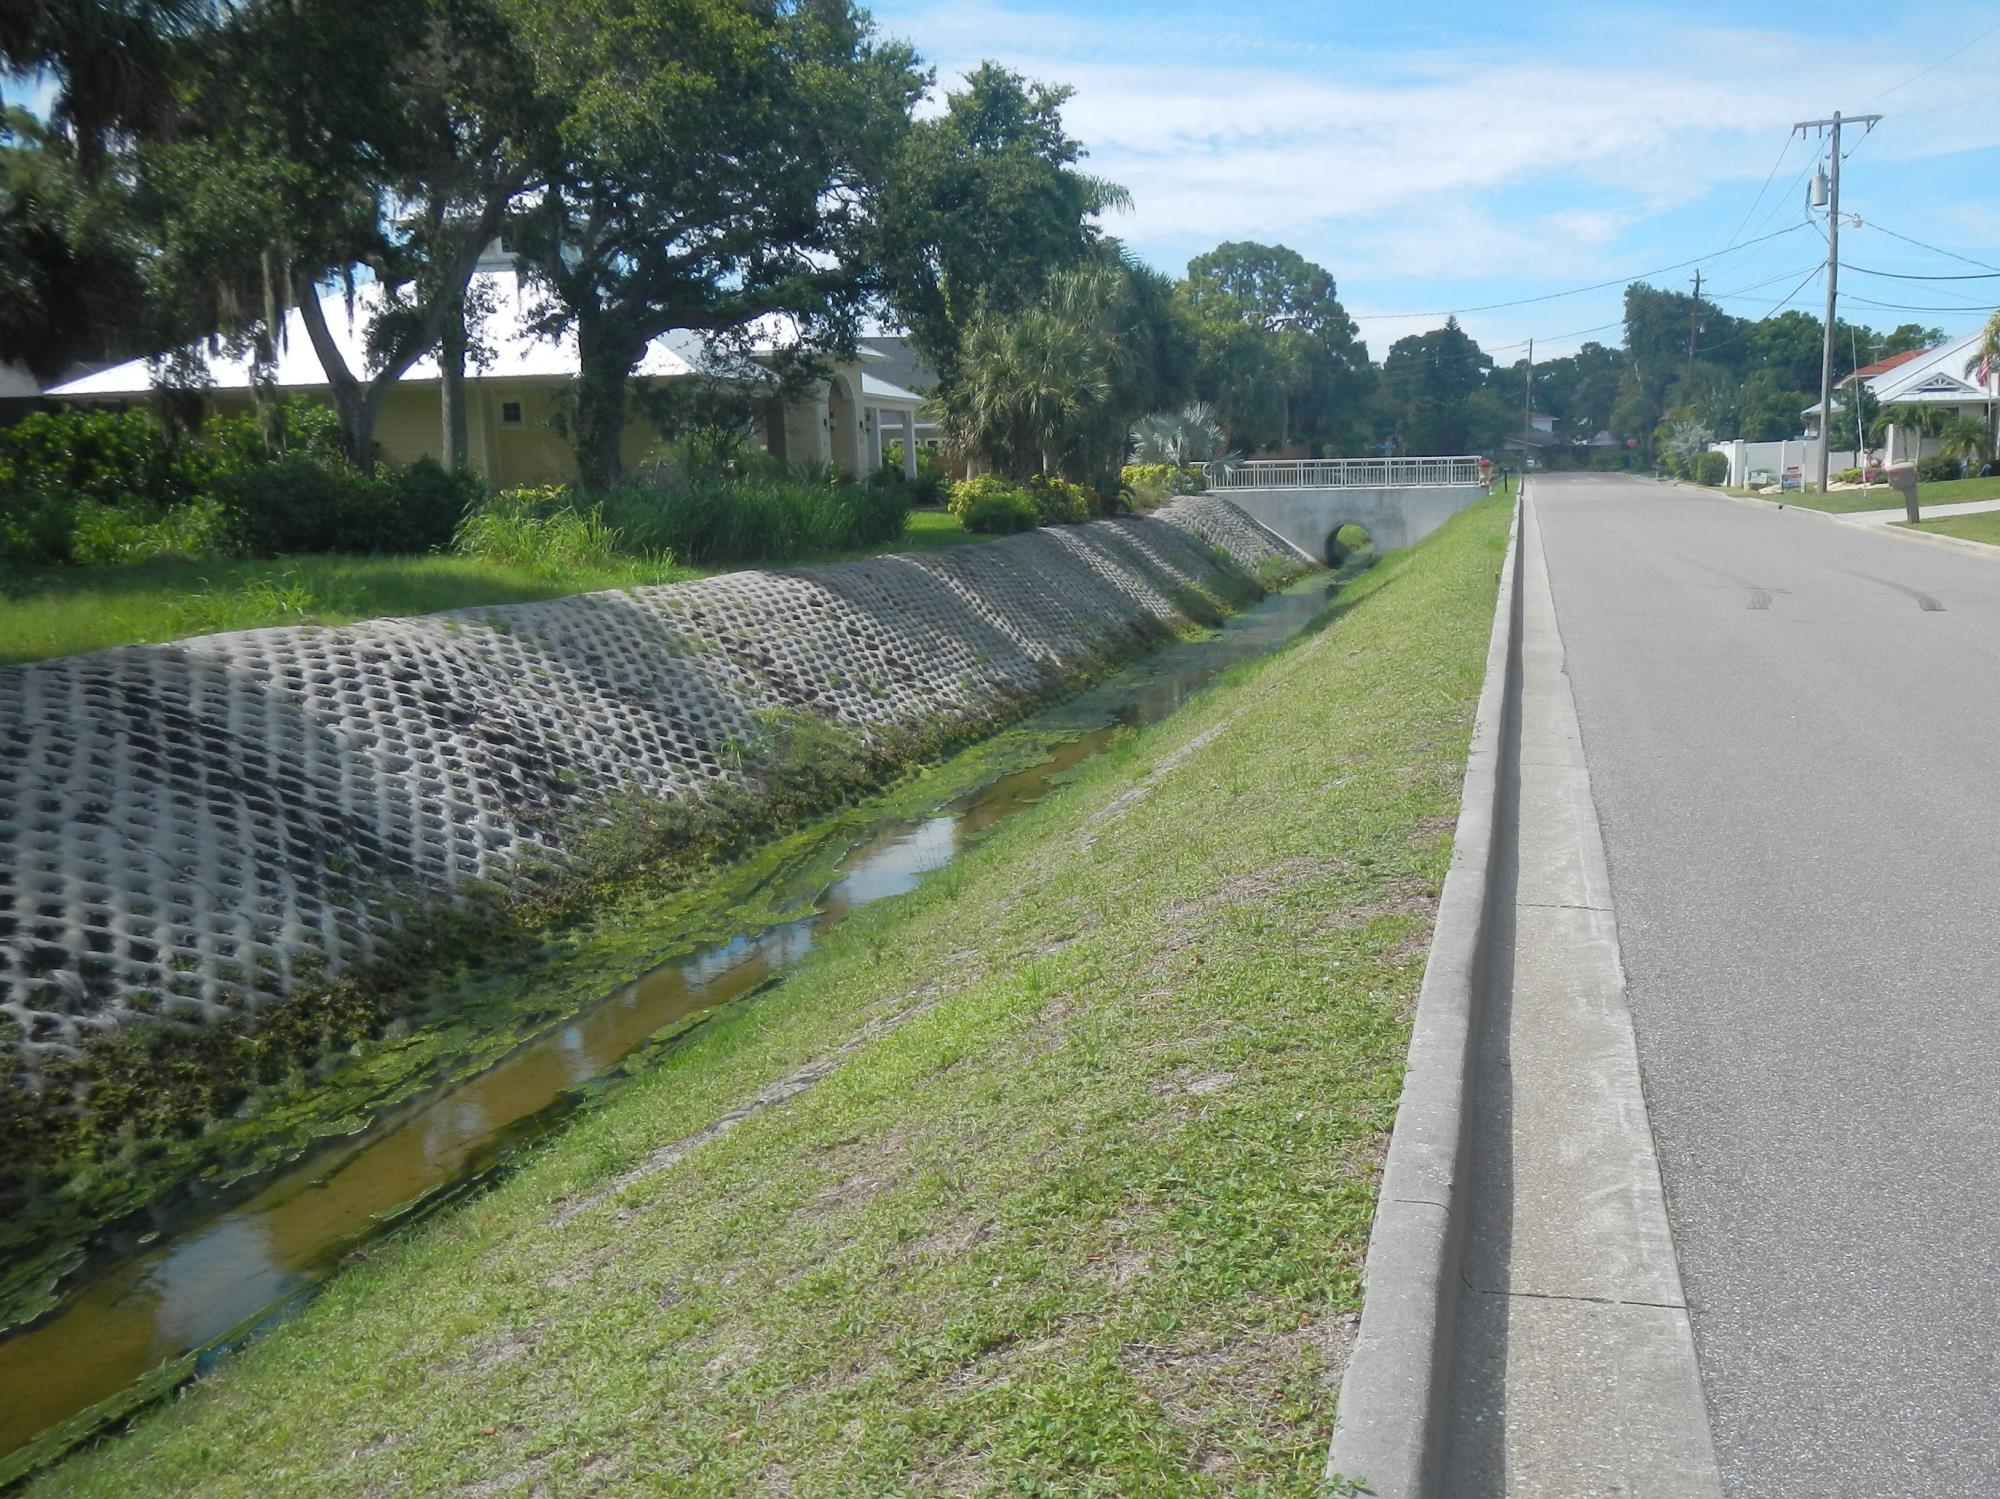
<point x="1929" y="538"/>
<point x="1389" y="1424"/>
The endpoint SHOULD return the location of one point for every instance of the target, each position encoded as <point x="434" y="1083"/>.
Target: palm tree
<point x="1967" y="439"/>
<point x="1925" y="421"/>
<point x="1987" y="351"/>
<point x="1027" y="384"/>
<point x="1054" y="387"/>
<point x="114" y="63"/>
<point x="1194" y="434"/>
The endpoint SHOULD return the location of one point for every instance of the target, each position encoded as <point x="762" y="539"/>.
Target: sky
<point x="1449" y="156"/>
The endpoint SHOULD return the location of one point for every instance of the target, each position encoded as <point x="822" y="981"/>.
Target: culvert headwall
<point x="182" y="824"/>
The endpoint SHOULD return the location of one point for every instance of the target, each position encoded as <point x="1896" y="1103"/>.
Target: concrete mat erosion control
<point x="181" y="824"/>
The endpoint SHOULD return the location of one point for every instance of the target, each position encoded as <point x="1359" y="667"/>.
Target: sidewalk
<point x="1927" y="512"/>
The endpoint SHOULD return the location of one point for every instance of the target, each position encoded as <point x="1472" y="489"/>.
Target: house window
<point x="510" y="414"/>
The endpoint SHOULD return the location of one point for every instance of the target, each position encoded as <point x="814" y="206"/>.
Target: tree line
<point x="711" y="166"/>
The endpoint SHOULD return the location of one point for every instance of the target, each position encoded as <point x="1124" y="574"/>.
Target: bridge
<point x="1397" y="501"/>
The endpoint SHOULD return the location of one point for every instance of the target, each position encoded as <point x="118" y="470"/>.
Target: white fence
<point x="1342" y="473"/>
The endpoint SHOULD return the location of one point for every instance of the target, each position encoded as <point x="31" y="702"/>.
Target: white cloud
<point x="1398" y="164"/>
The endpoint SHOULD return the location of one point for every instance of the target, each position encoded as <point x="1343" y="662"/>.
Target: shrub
<point x="1606" y="459"/>
<point x="295" y="503"/>
<point x="116" y="458"/>
<point x="36" y="525"/>
<point x="881" y="510"/>
<point x="419" y="505"/>
<point x="106" y="534"/>
<point x="717" y="519"/>
<point x="520" y="528"/>
<point x="992" y="506"/>
<point x="1152" y="484"/>
<point x="1711" y="468"/>
<point x="1058" y="502"/>
<point x="1937" y="469"/>
<point x="110" y="486"/>
<point x="303" y="502"/>
<point x="932" y="485"/>
<point x="1846" y="476"/>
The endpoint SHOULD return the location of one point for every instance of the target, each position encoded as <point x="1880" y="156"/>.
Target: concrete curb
<point x="1928" y="538"/>
<point x="1388" y="1436"/>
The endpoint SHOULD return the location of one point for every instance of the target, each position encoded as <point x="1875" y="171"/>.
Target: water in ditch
<point x="177" y="1299"/>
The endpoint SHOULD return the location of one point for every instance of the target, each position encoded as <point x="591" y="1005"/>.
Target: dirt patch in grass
<point x="1206" y="1384"/>
<point x="1425" y="829"/>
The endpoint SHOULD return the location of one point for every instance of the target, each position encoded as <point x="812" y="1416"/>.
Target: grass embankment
<point x="1881" y="496"/>
<point x="1054" y="1175"/>
<point x="58" y="611"/>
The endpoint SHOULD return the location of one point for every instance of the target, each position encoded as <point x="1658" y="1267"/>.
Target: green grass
<point x="1074" y="1199"/>
<point x="1881" y="497"/>
<point x="57" y="611"/>
<point x="927" y="531"/>
<point x="1984" y="526"/>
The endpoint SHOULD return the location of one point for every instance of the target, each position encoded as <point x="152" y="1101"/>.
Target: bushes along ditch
<point x="94" y="487"/>
<point x="995" y="506"/>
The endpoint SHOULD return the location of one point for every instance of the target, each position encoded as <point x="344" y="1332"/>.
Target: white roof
<point x="518" y="354"/>
<point x="882" y="393"/>
<point x="1936" y="377"/>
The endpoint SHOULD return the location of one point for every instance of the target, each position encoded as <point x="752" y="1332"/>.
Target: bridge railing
<point x="1341" y="473"/>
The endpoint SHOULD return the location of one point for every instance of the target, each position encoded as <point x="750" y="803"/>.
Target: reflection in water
<point x="219" y="1272"/>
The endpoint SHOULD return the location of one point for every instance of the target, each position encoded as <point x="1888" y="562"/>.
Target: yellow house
<point x="515" y="392"/>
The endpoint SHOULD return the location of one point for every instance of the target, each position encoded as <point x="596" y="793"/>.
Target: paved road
<point x="1793" y="732"/>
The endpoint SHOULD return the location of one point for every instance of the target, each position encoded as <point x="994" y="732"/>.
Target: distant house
<point x="903" y="366"/>
<point x="1935" y="378"/>
<point x="515" y="398"/>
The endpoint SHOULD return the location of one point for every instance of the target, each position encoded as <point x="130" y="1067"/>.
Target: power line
<point x="1926" y="72"/>
<point x="1907" y="276"/>
<point x="1939" y="109"/>
<point x="1783" y="151"/>
<point x="1751" y="325"/>
<point x="1573" y="291"/>
<point x="1767" y="281"/>
<point x="1981" y="307"/>
<point x="1948" y="254"/>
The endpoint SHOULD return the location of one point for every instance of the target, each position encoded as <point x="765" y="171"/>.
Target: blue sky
<point x="1446" y="156"/>
<point x="1443" y="157"/>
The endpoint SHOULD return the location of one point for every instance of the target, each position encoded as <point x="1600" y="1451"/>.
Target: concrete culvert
<point x="1348" y="543"/>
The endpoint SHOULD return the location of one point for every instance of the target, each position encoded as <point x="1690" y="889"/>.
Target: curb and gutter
<point x="1390" y="1430"/>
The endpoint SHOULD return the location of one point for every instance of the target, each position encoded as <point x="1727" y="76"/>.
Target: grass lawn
<point x="1984" y="526"/>
<point x="57" y="611"/>
<point x="1053" y="1176"/>
<point x="1881" y="497"/>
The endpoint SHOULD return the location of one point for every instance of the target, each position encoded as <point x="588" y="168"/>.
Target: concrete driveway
<point x="1793" y="732"/>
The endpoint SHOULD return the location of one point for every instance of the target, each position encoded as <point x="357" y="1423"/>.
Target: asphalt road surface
<point x="1793" y="732"/>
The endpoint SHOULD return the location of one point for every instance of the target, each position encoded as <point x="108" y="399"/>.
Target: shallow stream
<point x="160" y="1304"/>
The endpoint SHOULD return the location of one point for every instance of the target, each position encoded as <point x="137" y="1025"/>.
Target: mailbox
<point x="1902" y="478"/>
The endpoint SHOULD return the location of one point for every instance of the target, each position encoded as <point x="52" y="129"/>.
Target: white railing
<point x="1342" y="473"/>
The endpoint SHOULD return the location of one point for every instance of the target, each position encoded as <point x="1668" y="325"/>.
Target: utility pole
<point x="1832" y="275"/>
<point x="1694" y="322"/>
<point x="1527" y="410"/>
